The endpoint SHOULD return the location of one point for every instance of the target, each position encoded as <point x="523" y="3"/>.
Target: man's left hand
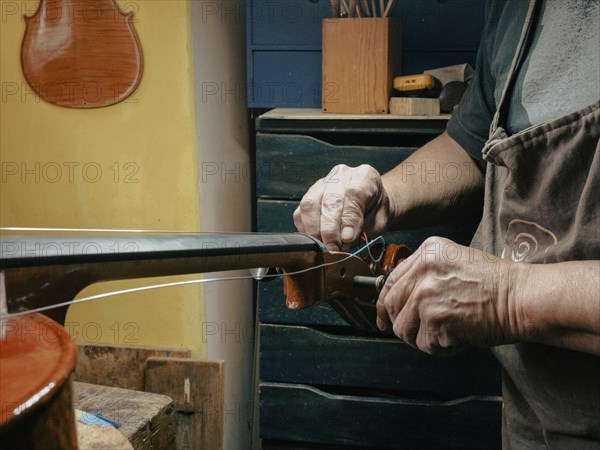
<point x="446" y="296"/>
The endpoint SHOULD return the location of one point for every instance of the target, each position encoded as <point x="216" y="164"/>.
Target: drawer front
<point x="276" y="216"/>
<point x="427" y="25"/>
<point x="294" y="23"/>
<point x="304" y="413"/>
<point x="290" y="77"/>
<point x="298" y="354"/>
<point x="287" y="165"/>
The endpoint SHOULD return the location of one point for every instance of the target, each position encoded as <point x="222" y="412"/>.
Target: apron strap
<point x="513" y="68"/>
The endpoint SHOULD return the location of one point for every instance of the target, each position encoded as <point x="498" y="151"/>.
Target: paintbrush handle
<point x="345" y="9"/>
<point x="365" y="7"/>
<point x="335" y="8"/>
<point x="388" y="7"/>
<point x="352" y="8"/>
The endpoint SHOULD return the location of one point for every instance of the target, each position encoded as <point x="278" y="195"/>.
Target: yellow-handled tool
<point x="420" y="85"/>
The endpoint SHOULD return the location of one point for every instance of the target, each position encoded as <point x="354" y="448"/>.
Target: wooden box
<point x="360" y="59"/>
<point x="412" y="106"/>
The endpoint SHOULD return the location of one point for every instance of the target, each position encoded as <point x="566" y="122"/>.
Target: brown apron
<point x="542" y="206"/>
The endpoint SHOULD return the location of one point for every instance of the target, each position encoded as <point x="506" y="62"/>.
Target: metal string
<point x="367" y="246"/>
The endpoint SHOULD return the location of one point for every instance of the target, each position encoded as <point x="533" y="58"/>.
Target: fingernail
<point x="381" y="324"/>
<point x="347" y="233"/>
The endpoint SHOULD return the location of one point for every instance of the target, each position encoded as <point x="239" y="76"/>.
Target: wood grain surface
<point x="198" y="392"/>
<point x="360" y="59"/>
<point x="147" y="420"/>
<point x="118" y="365"/>
<point x="81" y="54"/>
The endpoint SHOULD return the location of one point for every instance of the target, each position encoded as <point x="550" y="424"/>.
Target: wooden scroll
<point x="81" y="53"/>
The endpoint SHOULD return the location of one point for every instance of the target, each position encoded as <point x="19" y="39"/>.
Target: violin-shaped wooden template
<point x="81" y="53"/>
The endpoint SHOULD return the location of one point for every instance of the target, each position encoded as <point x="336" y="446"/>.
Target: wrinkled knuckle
<point x="338" y="171"/>
<point x="368" y="170"/>
<point x="297" y="214"/>
<point x="428" y="265"/>
<point x="307" y="206"/>
<point x="355" y="191"/>
<point x="432" y="241"/>
<point x="352" y="216"/>
<point x="332" y="202"/>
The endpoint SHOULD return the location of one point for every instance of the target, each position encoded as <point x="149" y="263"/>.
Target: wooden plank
<point x="312" y="121"/>
<point x="318" y="114"/>
<point x="147" y="420"/>
<point x="91" y="436"/>
<point x="197" y="390"/>
<point x="118" y="365"/>
<point x="408" y="106"/>
<point x="305" y="414"/>
<point x="304" y="355"/>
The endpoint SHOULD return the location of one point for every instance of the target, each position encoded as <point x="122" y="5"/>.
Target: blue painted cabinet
<point x="284" y="44"/>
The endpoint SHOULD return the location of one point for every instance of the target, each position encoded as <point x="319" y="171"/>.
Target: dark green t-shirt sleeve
<point x="470" y="124"/>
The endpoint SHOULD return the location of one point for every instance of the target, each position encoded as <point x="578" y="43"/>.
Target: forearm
<point x="558" y="304"/>
<point x="437" y="181"/>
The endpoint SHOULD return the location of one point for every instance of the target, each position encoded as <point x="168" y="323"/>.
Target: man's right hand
<point x="337" y="208"/>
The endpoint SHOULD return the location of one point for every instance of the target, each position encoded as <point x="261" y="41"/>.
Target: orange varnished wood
<point x="37" y="358"/>
<point x="81" y="53"/>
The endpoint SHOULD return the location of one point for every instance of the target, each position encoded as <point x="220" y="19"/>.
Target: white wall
<point x="225" y="199"/>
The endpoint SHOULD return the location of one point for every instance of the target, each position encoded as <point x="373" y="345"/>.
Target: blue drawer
<point x="286" y="77"/>
<point x="291" y="412"/>
<point x="297" y="354"/>
<point x="287" y="165"/>
<point x="286" y="22"/>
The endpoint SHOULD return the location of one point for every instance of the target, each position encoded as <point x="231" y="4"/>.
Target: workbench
<point x="322" y="383"/>
<point x="146" y="420"/>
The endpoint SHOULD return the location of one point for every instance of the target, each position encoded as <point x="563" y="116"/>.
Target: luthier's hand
<point x="446" y="296"/>
<point x="347" y="201"/>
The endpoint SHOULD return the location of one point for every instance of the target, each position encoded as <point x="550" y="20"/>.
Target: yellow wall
<point x="149" y="137"/>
